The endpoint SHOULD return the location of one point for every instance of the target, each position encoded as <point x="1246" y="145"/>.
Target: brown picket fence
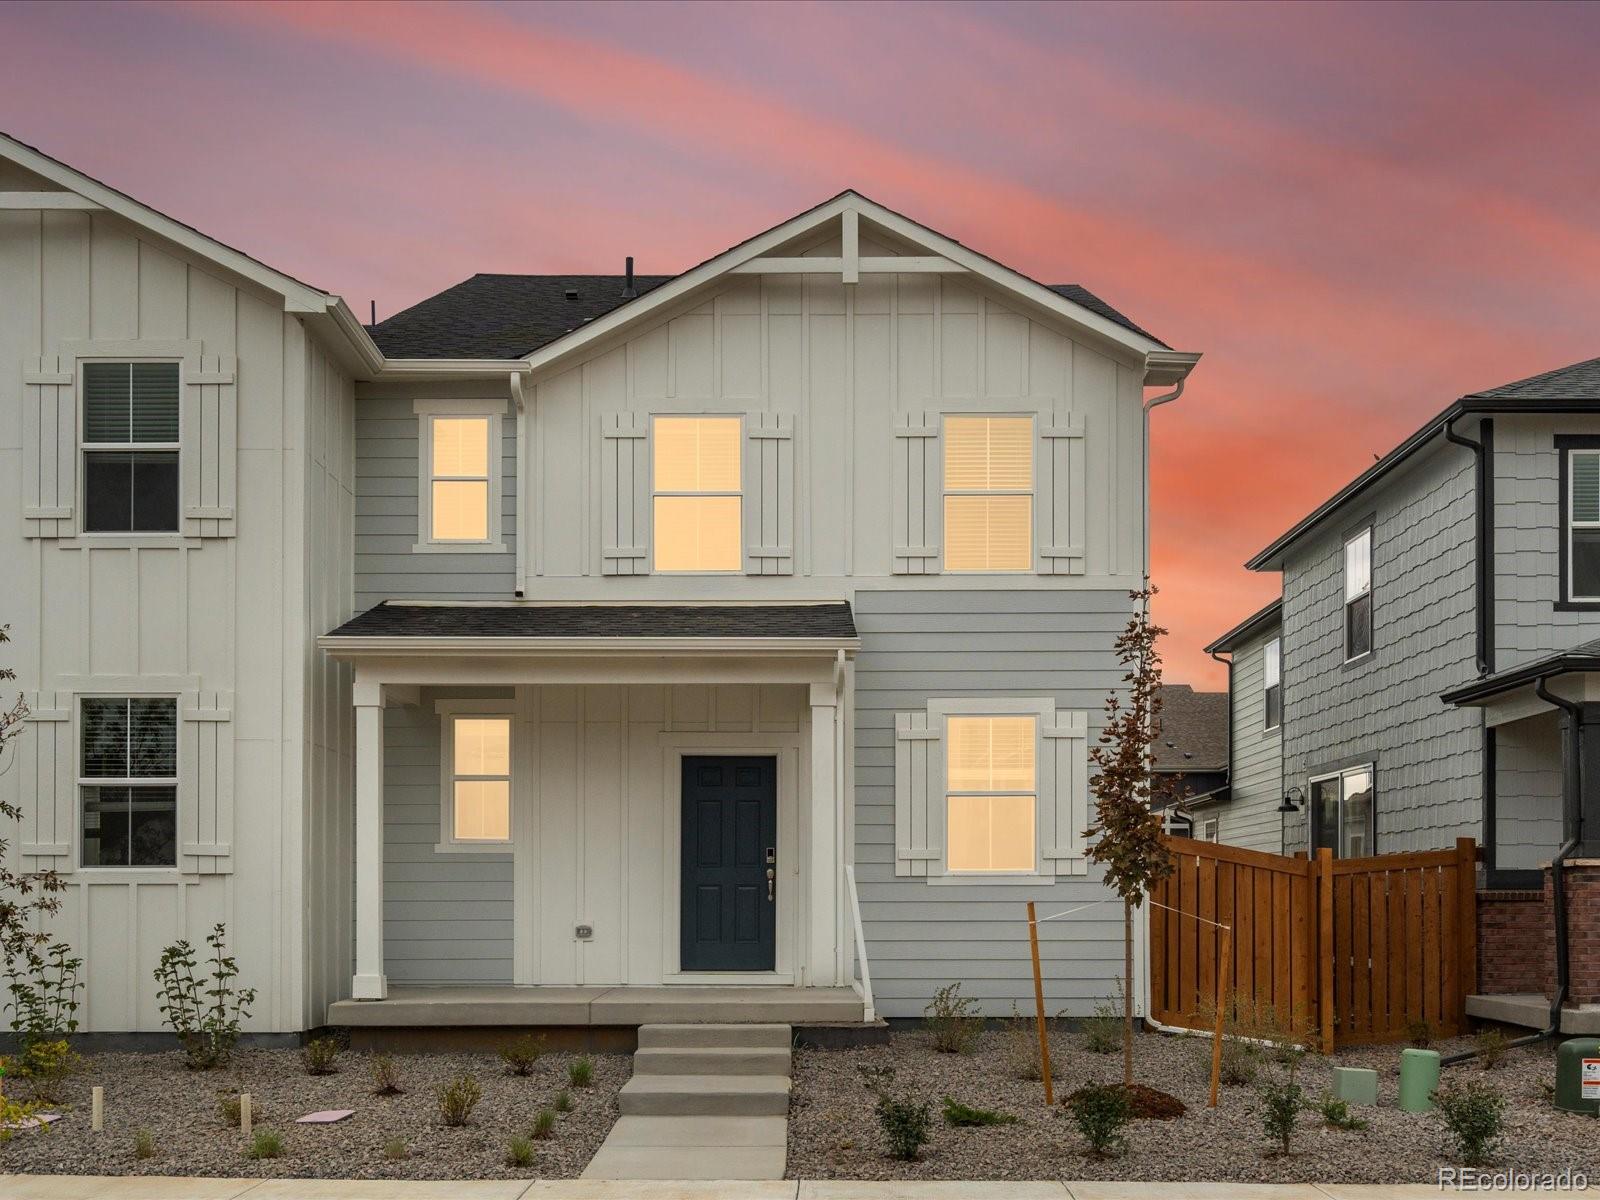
<point x="1346" y="951"/>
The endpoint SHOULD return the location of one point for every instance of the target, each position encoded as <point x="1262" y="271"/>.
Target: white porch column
<point x="369" y="982"/>
<point x="822" y="949"/>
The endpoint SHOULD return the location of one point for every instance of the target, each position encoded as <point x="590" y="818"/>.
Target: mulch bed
<point x="833" y="1132"/>
<point x="179" y="1108"/>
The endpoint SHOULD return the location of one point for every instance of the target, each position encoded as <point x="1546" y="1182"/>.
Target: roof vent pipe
<point x="628" y="290"/>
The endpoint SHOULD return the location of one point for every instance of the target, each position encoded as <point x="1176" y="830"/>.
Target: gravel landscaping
<point x="179" y="1107"/>
<point x="833" y="1132"/>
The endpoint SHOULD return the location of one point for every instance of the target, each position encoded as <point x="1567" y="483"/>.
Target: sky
<point x="1358" y="213"/>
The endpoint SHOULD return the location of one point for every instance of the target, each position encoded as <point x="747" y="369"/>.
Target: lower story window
<point x="128" y="780"/>
<point x="480" y="779"/>
<point x="991" y="794"/>
<point x="1343" y="811"/>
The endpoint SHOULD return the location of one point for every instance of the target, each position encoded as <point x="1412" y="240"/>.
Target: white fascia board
<point x="357" y="648"/>
<point x="404" y="370"/>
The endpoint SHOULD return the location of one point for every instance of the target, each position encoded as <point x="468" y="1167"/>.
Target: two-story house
<point x="592" y="647"/>
<point x="1428" y="671"/>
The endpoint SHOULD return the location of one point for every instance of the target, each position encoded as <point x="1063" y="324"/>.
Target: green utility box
<point x="1578" y="1075"/>
<point x="1419" y="1075"/>
<point x="1355" y="1085"/>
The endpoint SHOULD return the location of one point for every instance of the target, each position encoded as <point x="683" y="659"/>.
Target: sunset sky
<point x="1357" y="213"/>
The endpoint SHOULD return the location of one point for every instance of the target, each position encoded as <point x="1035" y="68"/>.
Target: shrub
<point x="964" y="1116"/>
<point x="1420" y="1033"/>
<point x="458" y="1098"/>
<point x="395" y="1149"/>
<point x="144" y="1144"/>
<point x="1101" y="1111"/>
<point x="1281" y="1103"/>
<point x="230" y="1110"/>
<point x="1021" y="1047"/>
<point x="1337" y="1115"/>
<point x="45" y="1067"/>
<point x="519" y="1153"/>
<point x="1493" y="1046"/>
<point x="319" y="1056"/>
<point x="386" y="1076"/>
<point x="267" y="1143"/>
<point x="204" y="1014"/>
<point x="952" y="1021"/>
<point x="44" y="995"/>
<point x="903" y="1120"/>
<point x="563" y="1101"/>
<point x="580" y="1071"/>
<point x="1102" y="1030"/>
<point x="521" y="1053"/>
<point x="1474" y="1114"/>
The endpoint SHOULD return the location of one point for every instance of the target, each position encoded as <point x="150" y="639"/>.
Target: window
<point x="1272" y="683"/>
<point x="1582" y="582"/>
<point x="988" y="493"/>
<point x="1211" y="829"/>
<point x="478" y="770"/>
<point x="697" y="513"/>
<point x="1342" y="808"/>
<point x="130" y="447"/>
<point x="1358" y="595"/>
<point x="128" y="780"/>
<point x="991" y="794"/>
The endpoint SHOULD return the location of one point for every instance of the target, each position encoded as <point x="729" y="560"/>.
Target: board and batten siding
<point x="1250" y="818"/>
<point x="922" y="645"/>
<point x="1386" y="708"/>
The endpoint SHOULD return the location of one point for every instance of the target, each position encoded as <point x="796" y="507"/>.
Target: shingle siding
<point x="1527" y="759"/>
<point x="1250" y="818"/>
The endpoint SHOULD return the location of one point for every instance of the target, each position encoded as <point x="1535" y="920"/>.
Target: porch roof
<point x="1576" y="659"/>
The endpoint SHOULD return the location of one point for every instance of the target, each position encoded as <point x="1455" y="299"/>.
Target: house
<point x="1429" y="667"/>
<point x="565" y="650"/>
<point x="1248" y="813"/>
<point x="1190" y="757"/>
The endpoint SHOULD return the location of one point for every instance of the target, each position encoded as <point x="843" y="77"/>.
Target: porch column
<point x="822" y="951"/>
<point x="369" y="982"/>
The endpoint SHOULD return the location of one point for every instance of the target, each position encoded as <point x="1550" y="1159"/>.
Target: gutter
<point x="1483" y="557"/>
<point x="349" y="647"/>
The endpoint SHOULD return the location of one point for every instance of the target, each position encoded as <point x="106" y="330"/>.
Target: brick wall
<point x="1581" y="881"/>
<point x="1514" y="942"/>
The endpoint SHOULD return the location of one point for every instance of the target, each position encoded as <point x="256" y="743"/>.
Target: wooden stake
<point x="1038" y="1005"/>
<point x="97" y="1109"/>
<point x="244" y="1113"/>
<point x="1226" y="933"/>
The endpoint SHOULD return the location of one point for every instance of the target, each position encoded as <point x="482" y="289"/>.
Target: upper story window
<point x="478" y="780"/>
<point x="1358" y="595"/>
<point x="988" y="493"/>
<point x="459" y="505"/>
<point x="1272" y="683"/>
<point x="991" y="794"/>
<point x="697" y="512"/>
<point x="1341" y="807"/>
<point x="130" y="447"/>
<point x="128" y="781"/>
<point x="1581" y="582"/>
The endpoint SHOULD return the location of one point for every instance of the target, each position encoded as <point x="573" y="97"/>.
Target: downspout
<point x="1482" y="566"/>
<point x="523" y="508"/>
<point x="1153" y="402"/>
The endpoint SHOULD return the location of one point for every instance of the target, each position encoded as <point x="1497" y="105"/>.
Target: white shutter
<point x="1064" y="792"/>
<point x="47" y="770"/>
<point x="49" y="448"/>
<point x="1059" y="509"/>
<point x="918" y="494"/>
<point x="210" y="445"/>
<point x="917" y="788"/>
<point x="205" y="783"/>
<point x="625" y="493"/>
<point x="769" y="494"/>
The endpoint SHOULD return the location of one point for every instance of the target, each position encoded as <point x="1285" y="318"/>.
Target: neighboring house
<point x="1191" y="757"/>
<point x="1248" y="813"/>
<point x="609" y="633"/>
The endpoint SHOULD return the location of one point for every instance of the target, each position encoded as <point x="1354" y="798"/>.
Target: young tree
<point x="1126" y="828"/>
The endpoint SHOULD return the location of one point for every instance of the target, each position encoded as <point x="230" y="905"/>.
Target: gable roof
<point x="1583" y="657"/>
<point x="1194" y="730"/>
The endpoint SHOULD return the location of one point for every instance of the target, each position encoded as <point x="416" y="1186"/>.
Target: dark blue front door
<point x="730" y="841"/>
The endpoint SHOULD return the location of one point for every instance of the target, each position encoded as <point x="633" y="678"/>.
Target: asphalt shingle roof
<point x="396" y="618"/>
<point x="1194" y="730"/>
<point x="1580" y="381"/>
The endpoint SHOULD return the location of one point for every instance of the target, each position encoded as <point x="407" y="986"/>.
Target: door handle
<point x="771" y="876"/>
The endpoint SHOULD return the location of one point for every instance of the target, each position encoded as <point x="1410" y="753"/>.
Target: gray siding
<point x="1527" y="798"/>
<point x="1250" y="818"/>
<point x="446" y="917"/>
<point x="1386" y="707"/>
<point x="386" y="508"/>
<point x="926" y="644"/>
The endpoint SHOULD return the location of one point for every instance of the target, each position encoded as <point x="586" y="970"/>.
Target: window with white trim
<point x="697" y="501"/>
<point x="991" y="793"/>
<point x="128" y="780"/>
<point x="988" y="493"/>
<point x="1211" y="829"/>
<point x="1358" y="595"/>
<point x="1583" y="527"/>
<point x="1343" y="811"/>
<point x="477" y="777"/>
<point x="130" y="447"/>
<point x="1272" y="683"/>
<point x="459" y="481"/>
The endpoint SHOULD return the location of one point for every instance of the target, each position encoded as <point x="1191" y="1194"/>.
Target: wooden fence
<point x="1347" y="951"/>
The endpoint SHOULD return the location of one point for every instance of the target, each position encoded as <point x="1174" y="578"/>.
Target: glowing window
<point x="458" y="482"/>
<point x="480" y="779"/>
<point x="991" y="794"/>
<point x="988" y="493"/>
<point x="697" y="503"/>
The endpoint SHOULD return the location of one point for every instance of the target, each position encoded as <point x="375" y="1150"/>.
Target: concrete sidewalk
<point x="153" y="1187"/>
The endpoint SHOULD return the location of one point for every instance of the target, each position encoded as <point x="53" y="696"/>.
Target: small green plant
<point x="320" y="1056"/>
<point x="563" y="1101"/>
<point x="1102" y="1029"/>
<point x="519" y="1153"/>
<point x="1336" y="1113"/>
<point x="386" y="1076"/>
<point x="953" y="1021"/>
<point x="44" y="1068"/>
<point x="1281" y="1102"/>
<point x="1474" y="1114"/>
<point x="544" y="1123"/>
<point x="458" y="1098"/>
<point x="396" y="1150"/>
<point x="1493" y="1046"/>
<point x="228" y="1109"/>
<point x="265" y="1143"/>
<point x="580" y="1071"/>
<point x="1101" y="1111"/>
<point x="965" y="1116"/>
<point x="904" y="1121"/>
<point x="43" y="983"/>
<point x="144" y="1144"/>
<point x="520" y="1054"/>
<point x="1020" y="1047"/>
<point x="1420" y="1033"/>
<point x="205" y="1014"/>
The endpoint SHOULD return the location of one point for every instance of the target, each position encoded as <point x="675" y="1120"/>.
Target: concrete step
<point x="704" y="1096"/>
<point x="711" y="1060"/>
<point x="721" y="1036"/>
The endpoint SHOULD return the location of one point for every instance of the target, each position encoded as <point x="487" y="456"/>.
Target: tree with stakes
<point x="1126" y="830"/>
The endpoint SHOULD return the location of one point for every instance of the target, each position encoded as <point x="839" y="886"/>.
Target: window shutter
<point x="769" y="494"/>
<point x="210" y="445"/>
<point x="47" y="770"/>
<point x="1064" y="778"/>
<point x="917" y="786"/>
<point x="205" y="783"/>
<point x="49" y="448"/>
<point x="1059" y="511"/>
<point x="917" y="494"/>
<point x="625" y="493"/>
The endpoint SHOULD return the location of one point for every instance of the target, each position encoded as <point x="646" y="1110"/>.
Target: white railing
<point x="863" y="986"/>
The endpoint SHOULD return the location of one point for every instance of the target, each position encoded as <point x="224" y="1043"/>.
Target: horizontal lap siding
<point x="916" y="646"/>
<point x="1250" y="818"/>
